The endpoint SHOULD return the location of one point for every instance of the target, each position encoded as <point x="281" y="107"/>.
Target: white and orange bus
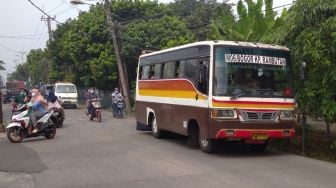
<point x="217" y="90"/>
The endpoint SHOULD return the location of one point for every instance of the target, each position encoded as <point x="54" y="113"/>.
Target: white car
<point x="67" y="94"/>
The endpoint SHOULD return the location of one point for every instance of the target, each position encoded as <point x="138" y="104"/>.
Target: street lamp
<point x="113" y="29"/>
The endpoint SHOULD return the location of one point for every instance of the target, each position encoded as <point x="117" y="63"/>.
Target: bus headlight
<point x="286" y="114"/>
<point x="224" y="113"/>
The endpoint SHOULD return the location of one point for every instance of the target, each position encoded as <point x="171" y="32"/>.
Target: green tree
<point x="2" y="65"/>
<point x="310" y="31"/>
<point x="253" y="24"/>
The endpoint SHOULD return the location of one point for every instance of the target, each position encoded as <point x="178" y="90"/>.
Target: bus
<point x="212" y="91"/>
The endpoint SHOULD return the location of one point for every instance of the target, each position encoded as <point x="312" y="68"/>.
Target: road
<point x="114" y="154"/>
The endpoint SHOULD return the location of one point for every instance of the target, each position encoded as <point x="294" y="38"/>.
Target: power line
<point x="23" y="36"/>
<point x="56" y="6"/>
<point x="9" y="49"/>
<point x="44" y="12"/>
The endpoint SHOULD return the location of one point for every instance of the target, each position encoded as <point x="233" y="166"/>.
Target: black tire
<point x="52" y="134"/>
<point x="208" y="145"/>
<point x="156" y="131"/>
<point x="193" y="136"/>
<point x="60" y="123"/>
<point x="19" y="136"/>
<point x="259" y="147"/>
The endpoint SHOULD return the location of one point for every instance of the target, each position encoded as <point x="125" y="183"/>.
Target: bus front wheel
<point x="156" y="131"/>
<point x="208" y="145"/>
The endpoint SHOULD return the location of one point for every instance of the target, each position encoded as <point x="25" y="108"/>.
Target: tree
<point x="253" y="23"/>
<point x="2" y="63"/>
<point x="310" y="33"/>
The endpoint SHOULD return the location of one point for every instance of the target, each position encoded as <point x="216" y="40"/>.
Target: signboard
<point x="255" y="59"/>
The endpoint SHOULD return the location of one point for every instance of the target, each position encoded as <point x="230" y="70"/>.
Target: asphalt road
<point x="114" y="154"/>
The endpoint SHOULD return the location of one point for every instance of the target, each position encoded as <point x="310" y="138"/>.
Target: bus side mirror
<point x="202" y="74"/>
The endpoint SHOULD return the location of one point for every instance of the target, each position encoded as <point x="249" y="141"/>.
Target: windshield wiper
<point x="242" y="92"/>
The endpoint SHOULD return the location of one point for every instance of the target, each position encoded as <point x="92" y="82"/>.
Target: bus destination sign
<point x="255" y="59"/>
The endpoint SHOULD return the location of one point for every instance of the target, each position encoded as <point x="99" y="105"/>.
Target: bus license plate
<point x="259" y="136"/>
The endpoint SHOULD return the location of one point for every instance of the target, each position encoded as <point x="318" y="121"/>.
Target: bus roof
<point x="220" y="42"/>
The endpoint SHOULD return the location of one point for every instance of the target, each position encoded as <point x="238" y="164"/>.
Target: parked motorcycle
<point x="96" y="110"/>
<point x="119" y="109"/>
<point x="20" y="127"/>
<point x="57" y="117"/>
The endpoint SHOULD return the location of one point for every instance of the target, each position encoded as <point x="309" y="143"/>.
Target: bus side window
<point x="157" y="71"/>
<point x="191" y="69"/>
<point x="145" y="72"/>
<point x="169" y="70"/>
<point x="203" y="74"/>
<point x="181" y="69"/>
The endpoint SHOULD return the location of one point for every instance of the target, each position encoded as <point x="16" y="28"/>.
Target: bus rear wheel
<point x="156" y="131"/>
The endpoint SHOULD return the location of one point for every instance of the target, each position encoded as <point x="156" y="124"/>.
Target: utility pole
<point x="113" y="28"/>
<point x="48" y="20"/>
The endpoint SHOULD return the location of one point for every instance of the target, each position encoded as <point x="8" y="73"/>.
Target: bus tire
<point x="259" y="147"/>
<point x="208" y="145"/>
<point x="193" y="134"/>
<point x="156" y="131"/>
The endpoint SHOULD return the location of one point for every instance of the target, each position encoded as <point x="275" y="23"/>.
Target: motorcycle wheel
<point x="14" y="135"/>
<point x="52" y="133"/>
<point x="60" y="123"/>
<point x="99" y="116"/>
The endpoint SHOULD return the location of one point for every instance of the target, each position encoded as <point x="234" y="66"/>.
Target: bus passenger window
<point x="202" y="82"/>
<point x="190" y="70"/>
<point x="169" y="70"/>
<point x="145" y="72"/>
<point x="140" y="73"/>
<point x="181" y="69"/>
<point x="157" y="71"/>
<point x="177" y="69"/>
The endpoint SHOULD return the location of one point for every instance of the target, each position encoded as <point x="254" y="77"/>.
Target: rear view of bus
<point x="235" y="91"/>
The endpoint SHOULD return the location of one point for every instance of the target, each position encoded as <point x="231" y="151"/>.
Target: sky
<point x="21" y="28"/>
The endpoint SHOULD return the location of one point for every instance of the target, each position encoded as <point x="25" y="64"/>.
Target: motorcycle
<point x="119" y="109"/>
<point x="57" y="117"/>
<point x="96" y="110"/>
<point x="20" y="127"/>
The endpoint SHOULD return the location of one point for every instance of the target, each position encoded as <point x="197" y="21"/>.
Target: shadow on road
<point x="18" y="158"/>
<point x="225" y="149"/>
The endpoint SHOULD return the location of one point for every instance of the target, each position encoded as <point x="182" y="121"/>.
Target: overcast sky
<point x="22" y="29"/>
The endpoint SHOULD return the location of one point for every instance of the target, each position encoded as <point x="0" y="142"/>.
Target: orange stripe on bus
<point x="170" y="93"/>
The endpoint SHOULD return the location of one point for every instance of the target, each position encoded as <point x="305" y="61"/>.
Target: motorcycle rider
<point x="116" y="97"/>
<point x="91" y="96"/>
<point x="53" y="102"/>
<point x="19" y="99"/>
<point x="39" y="107"/>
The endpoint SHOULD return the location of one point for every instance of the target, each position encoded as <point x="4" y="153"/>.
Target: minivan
<point x="67" y="94"/>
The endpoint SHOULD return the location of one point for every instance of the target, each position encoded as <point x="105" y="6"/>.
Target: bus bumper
<point x="255" y="134"/>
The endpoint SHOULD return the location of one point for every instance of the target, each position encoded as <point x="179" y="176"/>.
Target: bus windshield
<point x="252" y="72"/>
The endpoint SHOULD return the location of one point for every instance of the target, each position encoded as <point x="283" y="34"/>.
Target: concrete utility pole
<point x="113" y="28"/>
<point x="48" y="20"/>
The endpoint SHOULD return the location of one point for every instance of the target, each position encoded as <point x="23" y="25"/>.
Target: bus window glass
<point x="191" y="69"/>
<point x="169" y="70"/>
<point x="181" y="69"/>
<point x="251" y="72"/>
<point x="157" y="71"/>
<point x="145" y="72"/>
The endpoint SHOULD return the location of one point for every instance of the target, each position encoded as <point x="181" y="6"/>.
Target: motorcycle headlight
<point x="286" y="115"/>
<point x="224" y="113"/>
